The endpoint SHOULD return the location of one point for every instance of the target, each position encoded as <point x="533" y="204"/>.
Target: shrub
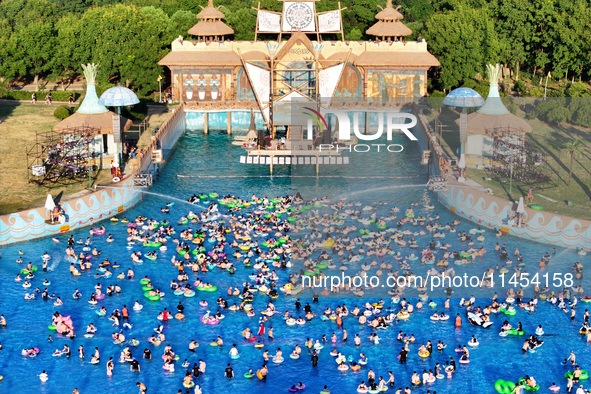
<point x="520" y="87"/>
<point x="576" y="89"/>
<point x="56" y="95"/>
<point x="62" y="112"/>
<point x="138" y="111"/>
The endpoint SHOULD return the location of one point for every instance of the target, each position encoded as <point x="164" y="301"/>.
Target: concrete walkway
<point x="39" y="102"/>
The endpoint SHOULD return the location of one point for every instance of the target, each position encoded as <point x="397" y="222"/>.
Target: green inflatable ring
<point x="309" y="273"/>
<point x="152" y="257"/>
<point x="182" y="252"/>
<point x="537" y="207"/>
<point x="292" y="219"/>
<point x="211" y="289"/>
<point x="527" y="387"/>
<point x="515" y="332"/>
<point x="145" y="281"/>
<point x="52" y="327"/>
<point x="322" y="266"/>
<point x="34" y="268"/>
<point x="151" y="298"/>
<point x="147" y="288"/>
<point x="504" y="386"/>
<point x="267" y="216"/>
<point x="25" y="272"/>
<point x="153" y="244"/>
<point x="584" y="374"/>
<point x="248" y="376"/>
<point x="281" y="240"/>
<point x="381" y="227"/>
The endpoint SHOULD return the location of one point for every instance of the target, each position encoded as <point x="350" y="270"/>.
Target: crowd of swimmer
<point x="229" y="233"/>
<point x="260" y="242"/>
<point x="349" y="236"/>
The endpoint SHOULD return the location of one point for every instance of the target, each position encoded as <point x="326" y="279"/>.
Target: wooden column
<point x="317" y="165"/>
<point x="271" y="165"/>
<point x="205" y="121"/>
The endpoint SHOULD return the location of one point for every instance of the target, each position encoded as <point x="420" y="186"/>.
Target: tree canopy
<point x="51" y="38"/>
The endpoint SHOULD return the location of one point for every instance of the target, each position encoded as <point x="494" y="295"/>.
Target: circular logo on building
<point x="299" y="15"/>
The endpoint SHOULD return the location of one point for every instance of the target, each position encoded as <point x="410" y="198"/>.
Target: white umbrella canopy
<point x="521" y="206"/>
<point x="49" y="203"/>
<point x="462" y="162"/>
<point x="118" y="96"/>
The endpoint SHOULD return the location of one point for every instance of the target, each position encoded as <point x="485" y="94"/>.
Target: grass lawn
<point x="550" y="140"/>
<point x="18" y="125"/>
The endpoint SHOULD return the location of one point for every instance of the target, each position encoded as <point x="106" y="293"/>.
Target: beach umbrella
<point x="521" y="205"/>
<point x="49" y="203"/>
<point x="462" y="167"/>
<point x="520" y="211"/>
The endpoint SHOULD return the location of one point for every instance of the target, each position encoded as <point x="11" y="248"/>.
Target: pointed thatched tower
<point x="389" y="28"/>
<point x="492" y="120"/>
<point x="211" y="27"/>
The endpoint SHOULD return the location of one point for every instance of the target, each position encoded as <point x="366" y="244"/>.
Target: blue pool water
<point x="375" y="177"/>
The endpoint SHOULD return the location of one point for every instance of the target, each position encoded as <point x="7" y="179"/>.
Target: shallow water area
<point x="210" y="163"/>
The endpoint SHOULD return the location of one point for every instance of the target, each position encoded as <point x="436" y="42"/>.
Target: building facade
<point x="211" y="68"/>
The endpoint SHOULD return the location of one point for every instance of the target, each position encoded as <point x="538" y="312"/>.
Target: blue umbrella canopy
<point x="463" y="97"/>
<point x="118" y="96"/>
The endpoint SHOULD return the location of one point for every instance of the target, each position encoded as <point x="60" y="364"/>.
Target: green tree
<point x="65" y="65"/>
<point x="181" y="21"/>
<point x="353" y="35"/>
<point x="243" y="21"/>
<point x="127" y="42"/>
<point x="463" y="40"/>
<point x="10" y="67"/>
<point x="576" y="89"/>
<point x="35" y="47"/>
<point x="558" y="115"/>
<point x="572" y="149"/>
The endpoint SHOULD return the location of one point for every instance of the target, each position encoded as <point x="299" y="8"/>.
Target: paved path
<point x="39" y="102"/>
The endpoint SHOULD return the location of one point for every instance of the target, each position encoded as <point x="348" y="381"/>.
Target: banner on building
<point x="329" y="22"/>
<point x="269" y="22"/>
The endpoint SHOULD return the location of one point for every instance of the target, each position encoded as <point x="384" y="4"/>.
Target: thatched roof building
<point x="389" y="28"/>
<point x="210" y="27"/>
<point x="102" y="121"/>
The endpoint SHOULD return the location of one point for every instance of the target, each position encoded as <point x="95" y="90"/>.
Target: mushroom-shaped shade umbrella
<point x="118" y="96"/>
<point x="462" y="97"/>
